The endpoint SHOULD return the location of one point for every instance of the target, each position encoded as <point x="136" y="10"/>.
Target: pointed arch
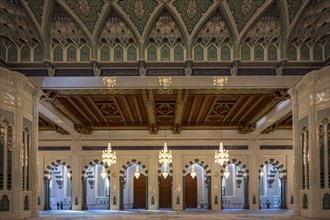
<point x="327" y="50"/>
<point x="165" y="53"/>
<point x="225" y="53"/>
<point x="38" y="53"/>
<point x="272" y="52"/>
<point x="58" y="53"/>
<point x="85" y="53"/>
<point x="178" y="53"/>
<point x="93" y="163"/>
<point x="130" y="163"/>
<point x="131" y="53"/>
<point x="317" y="52"/>
<point x="3" y="52"/>
<point x="245" y="53"/>
<point x="151" y="53"/>
<point x="49" y="168"/>
<point x="236" y="162"/>
<point x="304" y="52"/>
<point x="12" y="53"/>
<point x="25" y="54"/>
<point x="200" y="163"/>
<point x="292" y="52"/>
<point x="280" y="167"/>
<point x="105" y="53"/>
<point x="118" y="53"/>
<point x="71" y="54"/>
<point x="258" y="53"/>
<point x="212" y="53"/>
<point x="198" y="53"/>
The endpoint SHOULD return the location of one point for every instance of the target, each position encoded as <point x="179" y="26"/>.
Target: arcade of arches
<point x="75" y="75"/>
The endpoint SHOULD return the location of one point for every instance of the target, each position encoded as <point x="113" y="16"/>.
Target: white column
<point x="177" y="189"/>
<point x="253" y="172"/>
<point x="153" y="182"/>
<point x="77" y="168"/>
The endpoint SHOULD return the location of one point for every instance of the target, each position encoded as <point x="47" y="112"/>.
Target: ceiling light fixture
<point x="221" y="156"/>
<point x="110" y="81"/>
<point x="165" y="81"/>
<point x="103" y="173"/>
<point x="193" y="172"/>
<point x="165" y="156"/>
<point x="108" y="156"/>
<point x="137" y="172"/>
<point x="226" y="173"/>
<point x="165" y="172"/>
<point x="220" y="81"/>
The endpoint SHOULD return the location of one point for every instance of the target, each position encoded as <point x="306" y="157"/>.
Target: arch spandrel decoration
<point x="238" y="163"/>
<point x="56" y="163"/>
<point x="280" y="167"/>
<point x="130" y="163"/>
<point x="200" y="163"/>
<point x="92" y="164"/>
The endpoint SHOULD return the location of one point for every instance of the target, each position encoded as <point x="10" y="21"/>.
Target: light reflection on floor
<point x="273" y="214"/>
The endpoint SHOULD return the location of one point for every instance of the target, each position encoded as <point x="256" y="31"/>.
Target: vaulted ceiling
<point x="152" y="38"/>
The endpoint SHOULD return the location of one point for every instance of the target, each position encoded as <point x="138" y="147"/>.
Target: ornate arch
<point x="280" y="167"/>
<point x="130" y="163"/>
<point x="56" y="163"/>
<point x="200" y="163"/>
<point x="237" y="163"/>
<point x="94" y="163"/>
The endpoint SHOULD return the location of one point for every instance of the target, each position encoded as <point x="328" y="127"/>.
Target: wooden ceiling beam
<point x="193" y="107"/>
<point x="211" y="109"/>
<point x="150" y="105"/>
<point x="242" y="108"/>
<point x="180" y="106"/>
<point x="114" y="99"/>
<point x="88" y="109"/>
<point x="233" y="109"/>
<point x="78" y="108"/>
<point x="96" y="109"/>
<point x="198" y="119"/>
<point x="129" y="112"/>
<point x="137" y="107"/>
<point x="254" y="105"/>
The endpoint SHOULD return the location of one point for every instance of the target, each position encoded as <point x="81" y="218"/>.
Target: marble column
<point x="283" y="192"/>
<point x="109" y="193"/>
<point x="246" y="192"/>
<point x="84" y="193"/>
<point x="47" y="192"/>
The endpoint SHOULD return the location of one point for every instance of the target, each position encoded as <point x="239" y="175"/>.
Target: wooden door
<point x="140" y="192"/>
<point x="165" y="192"/>
<point x="191" y="192"/>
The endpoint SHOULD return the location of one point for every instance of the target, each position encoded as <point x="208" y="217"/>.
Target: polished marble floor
<point x="169" y="214"/>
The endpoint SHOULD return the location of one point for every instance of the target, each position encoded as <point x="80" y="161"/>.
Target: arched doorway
<point x="233" y="187"/>
<point x="196" y="188"/>
<point x="134" y="188"/>
<point x="97" y="187"/>
<point x="271" y="188"/>
<point x="165" y="187"/>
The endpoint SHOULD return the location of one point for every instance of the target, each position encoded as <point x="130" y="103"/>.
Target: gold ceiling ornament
<point x="165" y="81"/>
<point x="193" y="172"/>
<point x="137" y="172"/>
<point x="221" y="156"/>
<point x="220" y="81"/>
<point x="165" y="155"/>
<point x="108" y="156"/>
<point x="110" y="81"/>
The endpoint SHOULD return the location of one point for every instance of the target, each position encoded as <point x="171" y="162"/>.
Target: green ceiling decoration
<point x="293" y="7"/>
<point x="243" y="11"/>
<point x="36" y="7"/>
<point x="87" y="10"/>
<point x="192" y="10"/>
<point x="139" y="11"/>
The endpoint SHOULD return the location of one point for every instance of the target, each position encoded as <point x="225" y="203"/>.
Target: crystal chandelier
<point x="103" y="173"/>
<point x="220" y="81"/>
<point x="165" y="156"/>
<point x="165" y="81"/>
<point x="137" y="172"/>
<point x="110" y="81"/>
<point x="165" y="172"/>
<point x="226" y="173"/>
<point x="193" y="172"/>
<point x="221" y="156"/>
<point x="108" y="156"/>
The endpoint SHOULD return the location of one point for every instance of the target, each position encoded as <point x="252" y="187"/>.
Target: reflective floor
<point x="169" y="214"/>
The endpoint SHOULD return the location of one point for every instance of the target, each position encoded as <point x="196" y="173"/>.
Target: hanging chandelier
<point x="226" y="173"/>
<point x="137" y="172"/>
<point x="108" y="156"/>
<point x="193" y="172"/>
<point x="165" y="172"/>
<point x="103" y="173"/>
<point x="221" y="156"/>
<point x="165" y="156"/>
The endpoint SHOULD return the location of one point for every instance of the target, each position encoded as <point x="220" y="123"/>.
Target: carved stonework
<point x="83" y="129"/>
<point x="220" y="110"/>
<point x="165" y="111"/>
<point x="281" y="95"/>
<point x="244" y="129"/>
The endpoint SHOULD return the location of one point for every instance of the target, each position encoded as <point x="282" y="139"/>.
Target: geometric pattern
<point x="94" y="163"/>
<point x="54" y="164"/>
<point x="293" y="7"/>
<point x="36" y="7"/>
<point x="130" y="163"/>
<point x="200" y="163"/>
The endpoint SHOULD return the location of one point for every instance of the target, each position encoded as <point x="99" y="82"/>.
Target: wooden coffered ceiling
<point x="175" y="109"/>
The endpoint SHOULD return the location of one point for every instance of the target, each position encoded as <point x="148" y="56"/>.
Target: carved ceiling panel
<point x="293" y="7"/>
<point x="16" y="25"/>
<point x="214" y="31"/>
<point x="139" y="11"/>
<point x="37" y="8"/>
<point x="64" y="30"/>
